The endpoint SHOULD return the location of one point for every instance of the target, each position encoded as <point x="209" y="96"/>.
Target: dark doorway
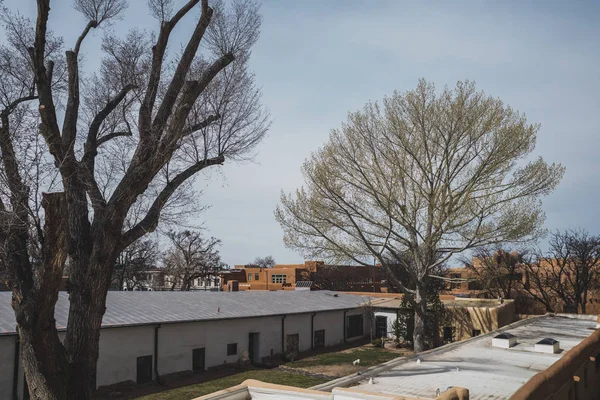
<point x="381" y="326"/>
<point x="319" y="339"/>
<point x="198" y="359"/>
<point x="144" y="369"/>
<point x="448" y="334"/>
<point x="253" y="353"/>
<point x="354" y="326"/>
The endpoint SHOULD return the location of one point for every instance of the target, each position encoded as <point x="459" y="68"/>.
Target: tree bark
<point x="420" y="317"/>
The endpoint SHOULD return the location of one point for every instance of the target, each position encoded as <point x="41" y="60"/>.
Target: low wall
<point x="575" y="376"/>
<point x="254" y="389"/>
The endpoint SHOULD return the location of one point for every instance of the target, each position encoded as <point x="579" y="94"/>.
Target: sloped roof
<point x="144" y="308"/>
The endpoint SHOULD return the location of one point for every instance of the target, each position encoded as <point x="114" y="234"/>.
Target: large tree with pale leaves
<point x="118" y="147"/>
<point x="416" y="179"/>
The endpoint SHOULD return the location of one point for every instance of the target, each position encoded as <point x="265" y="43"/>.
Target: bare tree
<point x="190" y="257"/>
<point x="568" y="272"/>
<point x="424" y="174"/>
<point x="119" y="145"/>
<point x="133" y="262"/>
<point x="498" y="272"/>
<point x="263" y="262"/>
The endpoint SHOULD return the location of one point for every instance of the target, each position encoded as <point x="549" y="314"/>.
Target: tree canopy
<point x="418" y="178"/>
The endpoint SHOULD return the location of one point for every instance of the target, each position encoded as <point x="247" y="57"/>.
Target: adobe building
<point x="468" y="286"/>
<point x="467" y="317"/>
<point x="321" y="275"/>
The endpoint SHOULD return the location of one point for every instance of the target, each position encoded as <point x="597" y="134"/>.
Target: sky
<point x="318" y="60"/>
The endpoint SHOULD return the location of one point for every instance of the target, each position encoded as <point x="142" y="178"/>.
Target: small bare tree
<point x="263" y="262"/>
<point x="424" y="174"/>
<point x="139" y="257"/>
<point x="118" y="149"/>
<point x="568" y="272"/>
<point x="190" y="257"/>
<point x="498" y="271"/>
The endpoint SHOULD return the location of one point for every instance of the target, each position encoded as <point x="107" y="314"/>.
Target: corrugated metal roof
<point x="141" y="308"/>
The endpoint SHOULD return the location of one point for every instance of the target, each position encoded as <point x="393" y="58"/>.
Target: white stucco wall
<point x="391" y="317"/>
<point x="176" y="341"/>
<point x="119" y="350"/>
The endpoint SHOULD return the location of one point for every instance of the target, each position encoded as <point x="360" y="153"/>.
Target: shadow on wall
<point x="468" y="320"/>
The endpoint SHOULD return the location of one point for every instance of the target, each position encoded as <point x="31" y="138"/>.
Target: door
<point x="198" y="359"/>
<point x="144" y="369"/>
<point x="380" y="327"/>
<point x="253" y="353"/>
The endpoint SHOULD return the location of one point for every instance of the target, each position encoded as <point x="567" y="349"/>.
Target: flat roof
<point x="488" y="372"/>
<point x="145" y="308"/>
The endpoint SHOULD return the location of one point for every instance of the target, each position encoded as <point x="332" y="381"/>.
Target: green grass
<point x="368" y="357"/>
<point x="265" y="375"/>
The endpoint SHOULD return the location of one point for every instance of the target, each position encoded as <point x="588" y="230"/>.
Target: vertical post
<point x="312" y="331"/>
<point x="283" y="334"/>
<point x="156" y="376"/>
<point x="345" y="312"/>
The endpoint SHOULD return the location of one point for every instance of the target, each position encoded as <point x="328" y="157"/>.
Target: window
<point x="144" y="369"/>
<point x="232" y="349"/>
<point x="455" y="285"/>
<point x="278" y="278"/>
<point x="198" y="357"/>
<point x="354" y="326"/>
<point x="256" y="276"/>
<point x="249" y="277"/>
<point x="380" y="327"/>
<point x="476" y="332"/>
<point x="319" y="341"/>
<point x="448" y="334"/>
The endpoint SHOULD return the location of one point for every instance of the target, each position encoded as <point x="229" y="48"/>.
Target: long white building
<point x="150" y="334"/>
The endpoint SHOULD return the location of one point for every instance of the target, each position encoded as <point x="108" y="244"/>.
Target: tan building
<point x="322" y="276"/>
<point x="467" y="317"/>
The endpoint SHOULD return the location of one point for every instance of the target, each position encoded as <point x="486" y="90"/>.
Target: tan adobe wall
<point x="484" y="319"/>
<point x="575" y="376"/>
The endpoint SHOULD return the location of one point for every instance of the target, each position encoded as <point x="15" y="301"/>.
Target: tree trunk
<point x="420" y="316"/>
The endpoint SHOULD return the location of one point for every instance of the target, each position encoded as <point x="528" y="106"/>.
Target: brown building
<point x="463" y="282"/>
<point x="322" y="276"/>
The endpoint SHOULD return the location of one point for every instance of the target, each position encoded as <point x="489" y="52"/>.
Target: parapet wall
<point x="575" y="376"/>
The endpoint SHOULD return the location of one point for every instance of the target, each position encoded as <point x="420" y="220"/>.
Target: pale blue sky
<point x="317" y="60"/>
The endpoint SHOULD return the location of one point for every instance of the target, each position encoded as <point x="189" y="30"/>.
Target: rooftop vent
<point x="548" y="345"/>
<point x="504" y="340"/>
